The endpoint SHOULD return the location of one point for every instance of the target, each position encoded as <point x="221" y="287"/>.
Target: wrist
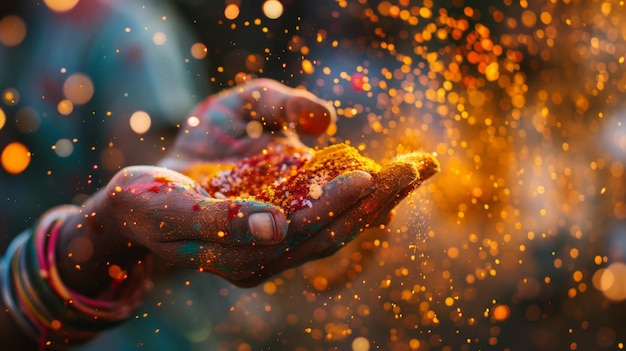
<point x="93" y="254"/>
<point x="45" y="306"/>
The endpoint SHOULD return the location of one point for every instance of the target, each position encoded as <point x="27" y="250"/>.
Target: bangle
<point x="7" y="293"/>
<point x="44" y="307"/>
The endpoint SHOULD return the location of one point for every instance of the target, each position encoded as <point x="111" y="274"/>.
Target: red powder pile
<point x="284" y="176"/>
<point x="291" y="178"/>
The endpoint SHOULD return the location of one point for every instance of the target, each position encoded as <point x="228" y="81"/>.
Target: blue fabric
<point x="110" y="42"/>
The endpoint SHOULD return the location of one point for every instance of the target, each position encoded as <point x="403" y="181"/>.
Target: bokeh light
<point x="517" y="244"/>
<point x="360" y="344"/>
<point x="10" y="96"/>
<point x="140" y="122"/>
<point x="273" y="9"/>
<point x="65" y="107"/>
<point x="63" y="147"/>
<point x="61" y="5"/>
<point x="159" y="38"/>
<point x="611" y="281"/>
<point x="78" y="88"/>
<point x="3" y="118"/>
<point x="254" y="129"/>
<point x="15" y="158"/>
<point x="231" y="11"/>
<point x="193" y="121"/>
<point x="12" y="30"/>
<point x="508" y="246"/>
<point x="198" y="51"/>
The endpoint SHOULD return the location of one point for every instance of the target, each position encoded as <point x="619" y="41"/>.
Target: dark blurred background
<point x="518" y="243"/>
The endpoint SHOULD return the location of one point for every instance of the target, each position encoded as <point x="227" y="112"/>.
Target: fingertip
<point x="355" y="180"/>
<point x="268" y="226"/>
<point x="262" y="227"/>
<point x="401" y="174"/>
<point x="311" y="116"/>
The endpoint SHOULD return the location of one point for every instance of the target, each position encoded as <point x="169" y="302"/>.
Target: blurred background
<point x="519" y="242"/>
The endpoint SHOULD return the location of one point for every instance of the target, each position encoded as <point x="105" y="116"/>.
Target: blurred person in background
<point x="517" y="244"/>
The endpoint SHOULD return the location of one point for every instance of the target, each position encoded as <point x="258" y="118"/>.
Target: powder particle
<point x="315" y="191"/>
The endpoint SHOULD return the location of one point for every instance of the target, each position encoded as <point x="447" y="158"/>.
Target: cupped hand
<point x="248" y="241"/>
<point x="174" y="217"/>
<point x="242" y="121"/>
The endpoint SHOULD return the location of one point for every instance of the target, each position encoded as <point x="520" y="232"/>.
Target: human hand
<point x="242" y="121"/>
<point x="248" y="241"/>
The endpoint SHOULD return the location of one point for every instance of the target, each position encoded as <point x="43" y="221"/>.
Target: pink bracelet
<point x="43" y="306"/>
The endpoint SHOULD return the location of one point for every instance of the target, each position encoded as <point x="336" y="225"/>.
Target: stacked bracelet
<point x="44" y="307"/>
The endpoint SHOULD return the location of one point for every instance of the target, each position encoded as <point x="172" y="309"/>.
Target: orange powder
<point x="291" y="178"/>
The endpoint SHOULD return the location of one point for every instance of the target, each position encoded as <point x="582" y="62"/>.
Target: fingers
<point x="348" y="204"/>
<point x="158" y="205"/>
<point x="277" y="107"/>
<point x="240" y="121"/>
<point x="393" y="183"/>
<point x="337" y="196"/>
<point x="271" y="106"/>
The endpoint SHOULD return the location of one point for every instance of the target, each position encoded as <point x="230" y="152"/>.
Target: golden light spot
<point x="255" y="62"/>
<point x="414" y="344"/>
<point x="78" y="88"/>
<point x="15" y="158"/>
<point x="320" y="283"/>
<point x="606" y="8"/>
<point x="272" y="9"/>
<point x="12" y="30"/>
<point x="193" y="121"/>
<point x="199" y="51"/>
<point x="611" y="281"/>
<point x="55" y="324"/>
<point x="529" y="18"/>
<point x="65" y="107"/>
<point x="578" y="276"/>
<point x="254" y="129"/>
<point x="360" y="344"/>
<point x="116" y="272"/>
<point x="231" y="11"/>
<point x="61" y="5"/>
<point x="10" y="96"/>
<point x="492" y="72"/>
<point x="453" y="252"/>
<point x="140" y="122"/>
<point x="269" y="288"/>
<point x="501" y="312"/>
<point x="3" y="118"/>
<point x="307" y="67"/>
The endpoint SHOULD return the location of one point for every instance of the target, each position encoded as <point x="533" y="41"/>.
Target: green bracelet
<point x="42" y="306"/>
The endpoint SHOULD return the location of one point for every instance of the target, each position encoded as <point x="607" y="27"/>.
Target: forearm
<point x="71" y="277"/>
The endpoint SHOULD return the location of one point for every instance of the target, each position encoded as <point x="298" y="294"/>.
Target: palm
<point x="247" y="241"/>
